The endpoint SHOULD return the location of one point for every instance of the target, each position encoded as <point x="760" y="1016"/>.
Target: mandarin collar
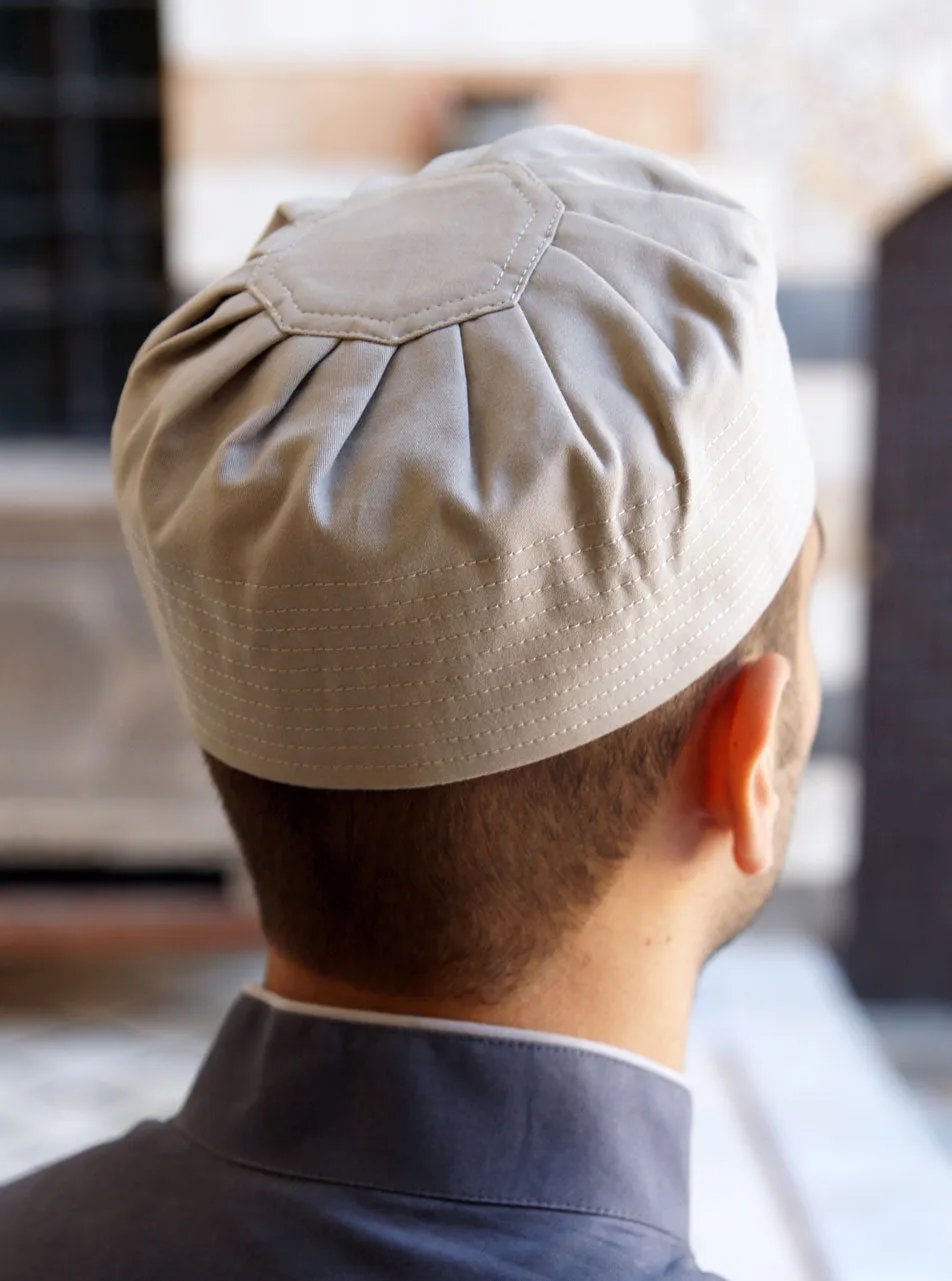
<point x="416" y="1110"/>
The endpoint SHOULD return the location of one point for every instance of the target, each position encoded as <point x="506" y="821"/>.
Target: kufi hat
<point x="468" y="469"/>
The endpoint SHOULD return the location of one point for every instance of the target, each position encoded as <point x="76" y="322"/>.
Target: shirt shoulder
<point x="89" y="1216"/>
<point x="154" y="1206"/>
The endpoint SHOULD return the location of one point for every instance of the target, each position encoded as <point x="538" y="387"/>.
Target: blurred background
<point x="143" y="147"/>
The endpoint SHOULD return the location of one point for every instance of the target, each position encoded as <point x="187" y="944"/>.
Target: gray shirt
<point x="316" y="1147"/>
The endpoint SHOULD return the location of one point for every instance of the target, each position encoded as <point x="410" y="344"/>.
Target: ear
<point x="741" y="783"/>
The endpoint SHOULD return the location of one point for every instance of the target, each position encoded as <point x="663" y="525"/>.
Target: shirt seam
<point x="515" y="1203"/>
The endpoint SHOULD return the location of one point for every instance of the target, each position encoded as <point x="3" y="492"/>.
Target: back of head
<point x="452" y="506"/>
<point x="461" y="890"/>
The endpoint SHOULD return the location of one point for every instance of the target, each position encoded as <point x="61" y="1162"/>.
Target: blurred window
<point x="82" y="273"/>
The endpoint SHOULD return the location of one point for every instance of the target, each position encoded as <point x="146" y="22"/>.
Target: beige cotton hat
<point x="468" y="469"/>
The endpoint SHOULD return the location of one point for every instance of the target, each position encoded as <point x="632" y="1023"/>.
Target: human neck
<point x="612" y="982"/>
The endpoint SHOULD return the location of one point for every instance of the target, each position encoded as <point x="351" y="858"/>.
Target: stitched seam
<point x="168" y="600"/>
<point x="178" y="635"/>
<point x="559" y="209"/>
<point x="495" y="751"/>
<point x="173" y="586"/>
<point x="174" y="607"/>
<point x="359" y="334"/>
<point x="420" y="311"/>
<point x="476" y="299"/>
<point x="492" y="690"/>
<point x="439" y="569"/>
<point x="182" y="605"/>
<point x="460" y="1198"/>
<point x="462" y="738"/>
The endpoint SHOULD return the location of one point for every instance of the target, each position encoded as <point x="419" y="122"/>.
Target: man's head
<point x="465" y="509"/>
<point x="461" y="891"/>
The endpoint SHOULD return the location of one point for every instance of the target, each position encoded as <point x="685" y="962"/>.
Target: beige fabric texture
<point x="467" y="470"/>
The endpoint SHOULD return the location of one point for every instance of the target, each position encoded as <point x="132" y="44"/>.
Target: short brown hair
<point x="457" y="890"/>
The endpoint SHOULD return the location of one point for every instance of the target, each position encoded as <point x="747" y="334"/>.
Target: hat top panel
<point x="394" y="263"/>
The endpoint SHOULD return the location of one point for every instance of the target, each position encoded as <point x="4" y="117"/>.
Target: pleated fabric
<point x="467" y="470"/>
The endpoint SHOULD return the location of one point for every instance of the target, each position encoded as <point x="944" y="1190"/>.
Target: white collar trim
<point x="460" y="1027"/>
